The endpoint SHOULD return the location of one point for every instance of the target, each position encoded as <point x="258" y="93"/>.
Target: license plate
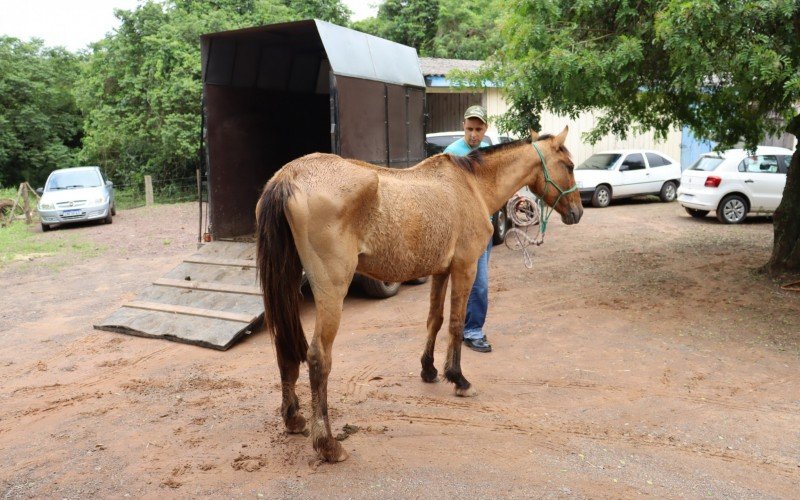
<point x="70" y="213"/>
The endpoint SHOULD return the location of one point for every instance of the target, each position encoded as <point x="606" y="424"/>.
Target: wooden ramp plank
<point x="189" y="311"/>
<point x="218" y="261"/>
<point x="207" y="286"/>
<point x="204" y="332"/>
<point x="229" y="250"/>
<point x="211" y="300"/>
<point x="218" y="274"/>
<point x="203" y="299"/>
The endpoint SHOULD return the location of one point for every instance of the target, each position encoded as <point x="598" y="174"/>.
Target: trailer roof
<point x="239" y="56"/>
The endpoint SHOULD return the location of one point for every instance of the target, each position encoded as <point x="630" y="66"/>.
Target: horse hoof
<point x="466" y="393"/>
<point x="333" y="454"/>
<point x="296" y="425"/>
<point x="429" y="377"/>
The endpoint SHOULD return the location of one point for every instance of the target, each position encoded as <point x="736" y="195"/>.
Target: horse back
<point x="405" y="223"/>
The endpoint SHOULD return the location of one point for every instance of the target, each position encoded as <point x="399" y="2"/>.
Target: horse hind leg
<point x="329" y="313"/>
<point x="290" y="406"/>
<point x="435" y="319"/>
<point x="329" y="282"/>
<point x="462" y="283"/>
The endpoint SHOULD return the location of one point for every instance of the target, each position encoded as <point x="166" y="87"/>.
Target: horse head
<point x="555" y="183"/>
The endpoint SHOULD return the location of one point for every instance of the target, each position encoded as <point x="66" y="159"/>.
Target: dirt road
<point x="642" y="355"/>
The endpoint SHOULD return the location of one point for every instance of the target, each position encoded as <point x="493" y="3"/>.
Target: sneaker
<point x="479" y="345"/>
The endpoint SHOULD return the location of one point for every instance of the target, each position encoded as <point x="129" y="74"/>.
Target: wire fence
<point x="175" y="190"/>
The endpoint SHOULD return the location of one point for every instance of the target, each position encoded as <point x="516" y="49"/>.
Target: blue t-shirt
<point x="461" y="148"/>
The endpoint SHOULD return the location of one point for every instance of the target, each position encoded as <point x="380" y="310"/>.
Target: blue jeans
<point x="478" y="303"/>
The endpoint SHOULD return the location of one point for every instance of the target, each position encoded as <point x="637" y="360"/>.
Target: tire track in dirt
<point x="518" y="422"/>
<point x="556" y="436"/>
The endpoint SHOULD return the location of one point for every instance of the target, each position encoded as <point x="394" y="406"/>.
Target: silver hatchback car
<point x="75" y="195"/>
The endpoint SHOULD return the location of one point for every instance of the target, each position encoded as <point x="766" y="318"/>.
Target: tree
<point x="450" y="29"/>
<point x="410" y="22"/>
<point x="40" y="125"/>
<point x="332" y="11"/>
<point x="466" y="30"/>
<point x="141" y="90"/>
<point x="728" y="70"/>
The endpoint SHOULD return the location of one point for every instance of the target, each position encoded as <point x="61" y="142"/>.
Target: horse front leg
<point x="329" y="313"/>
<point x="435" y="320"/>
<point x="462" y="283"/>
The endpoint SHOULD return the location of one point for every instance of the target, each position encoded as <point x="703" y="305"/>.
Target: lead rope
<point x="524" y="213"/>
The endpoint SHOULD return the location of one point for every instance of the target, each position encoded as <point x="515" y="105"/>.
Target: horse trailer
<point x="274" y="93"/>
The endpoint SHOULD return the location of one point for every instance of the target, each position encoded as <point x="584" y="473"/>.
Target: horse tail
<point x="280" y="272"/>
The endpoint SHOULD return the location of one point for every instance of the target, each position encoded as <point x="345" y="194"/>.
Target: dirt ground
<point x="642" y="355"/>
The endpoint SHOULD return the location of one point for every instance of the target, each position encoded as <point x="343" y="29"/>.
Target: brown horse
<point x="333" y="217"/>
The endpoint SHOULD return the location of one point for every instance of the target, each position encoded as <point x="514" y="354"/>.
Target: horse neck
<point x="504" y="172"/>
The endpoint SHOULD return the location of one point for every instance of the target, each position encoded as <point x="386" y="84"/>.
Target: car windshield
<point x="707" y="163"/>
<point x="443" y="140"/>
<point x="73" y="179"/>
<point x="603" y="161"/>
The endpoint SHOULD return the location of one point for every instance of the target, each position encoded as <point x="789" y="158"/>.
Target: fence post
<point x="148" y="190"/>
<point x="26" y="204"/>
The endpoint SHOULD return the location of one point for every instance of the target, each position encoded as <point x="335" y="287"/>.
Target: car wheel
<point x="114" y="209"/>
<point x="378" y="289"/>
<point x="601" y="197"/>
<point x="732" y="209"/>
<point x="668" y="192"/>
<point x="697" y="214"/>
<point x="500" y="224"/>
<point x="45" y="227"/>
<point x="108" y="219"/>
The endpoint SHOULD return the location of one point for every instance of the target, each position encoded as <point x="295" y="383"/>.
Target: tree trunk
<point x="786" y="222"/>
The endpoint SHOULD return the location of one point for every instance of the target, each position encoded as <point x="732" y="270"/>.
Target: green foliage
<point x="728" y="70"/>
<point x="9" y="193"/>
<point x="141" y="90"/>
<point x="466" y="30"/>
<point x="332" y="11"/>
<point x="40" y="125"/>
<point x="410" y="22"/>
<point x="451" y="29"/>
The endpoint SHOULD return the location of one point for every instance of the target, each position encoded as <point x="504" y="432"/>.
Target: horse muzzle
<point x="573" y="215"/>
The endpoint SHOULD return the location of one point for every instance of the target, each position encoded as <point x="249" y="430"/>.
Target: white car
<point x="627" y="172"/>
<point x="735" y="183"/>
<point x="436" y="142"/>
<point x="75" y="195"/>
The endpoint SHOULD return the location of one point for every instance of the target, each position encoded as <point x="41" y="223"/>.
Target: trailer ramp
<point x="211" y="299"/>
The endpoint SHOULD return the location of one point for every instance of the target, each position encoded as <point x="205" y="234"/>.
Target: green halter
<point x="561" y="192"/>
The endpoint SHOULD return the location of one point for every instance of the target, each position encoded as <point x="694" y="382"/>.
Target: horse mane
<point x="474" y="159"/>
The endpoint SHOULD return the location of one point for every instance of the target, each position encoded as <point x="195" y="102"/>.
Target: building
<point x="446" y="105"/>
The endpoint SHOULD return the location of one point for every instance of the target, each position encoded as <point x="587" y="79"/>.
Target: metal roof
<point x="295" y="56"/>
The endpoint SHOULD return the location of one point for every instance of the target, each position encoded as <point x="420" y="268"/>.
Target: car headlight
<point x="99" y="200"/>
<point x="47" y="206"/>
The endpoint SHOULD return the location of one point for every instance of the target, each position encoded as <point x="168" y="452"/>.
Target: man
<point x="475" y="125"/>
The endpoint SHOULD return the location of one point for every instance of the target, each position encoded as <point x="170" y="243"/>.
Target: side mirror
<point x="39" y="191"/>
<point x="624" y="167"/>
<point x="109" y="183"/>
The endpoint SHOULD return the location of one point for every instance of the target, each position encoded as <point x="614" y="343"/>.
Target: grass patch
<point x="10" y="193"/>
<point x="19" y="244"/>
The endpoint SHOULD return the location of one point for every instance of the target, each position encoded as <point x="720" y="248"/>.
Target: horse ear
<point x="560" y="138"/>
<point x="534" y="135"/>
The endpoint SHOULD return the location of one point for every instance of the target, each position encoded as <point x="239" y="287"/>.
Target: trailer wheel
<point x="378" y="289"/>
